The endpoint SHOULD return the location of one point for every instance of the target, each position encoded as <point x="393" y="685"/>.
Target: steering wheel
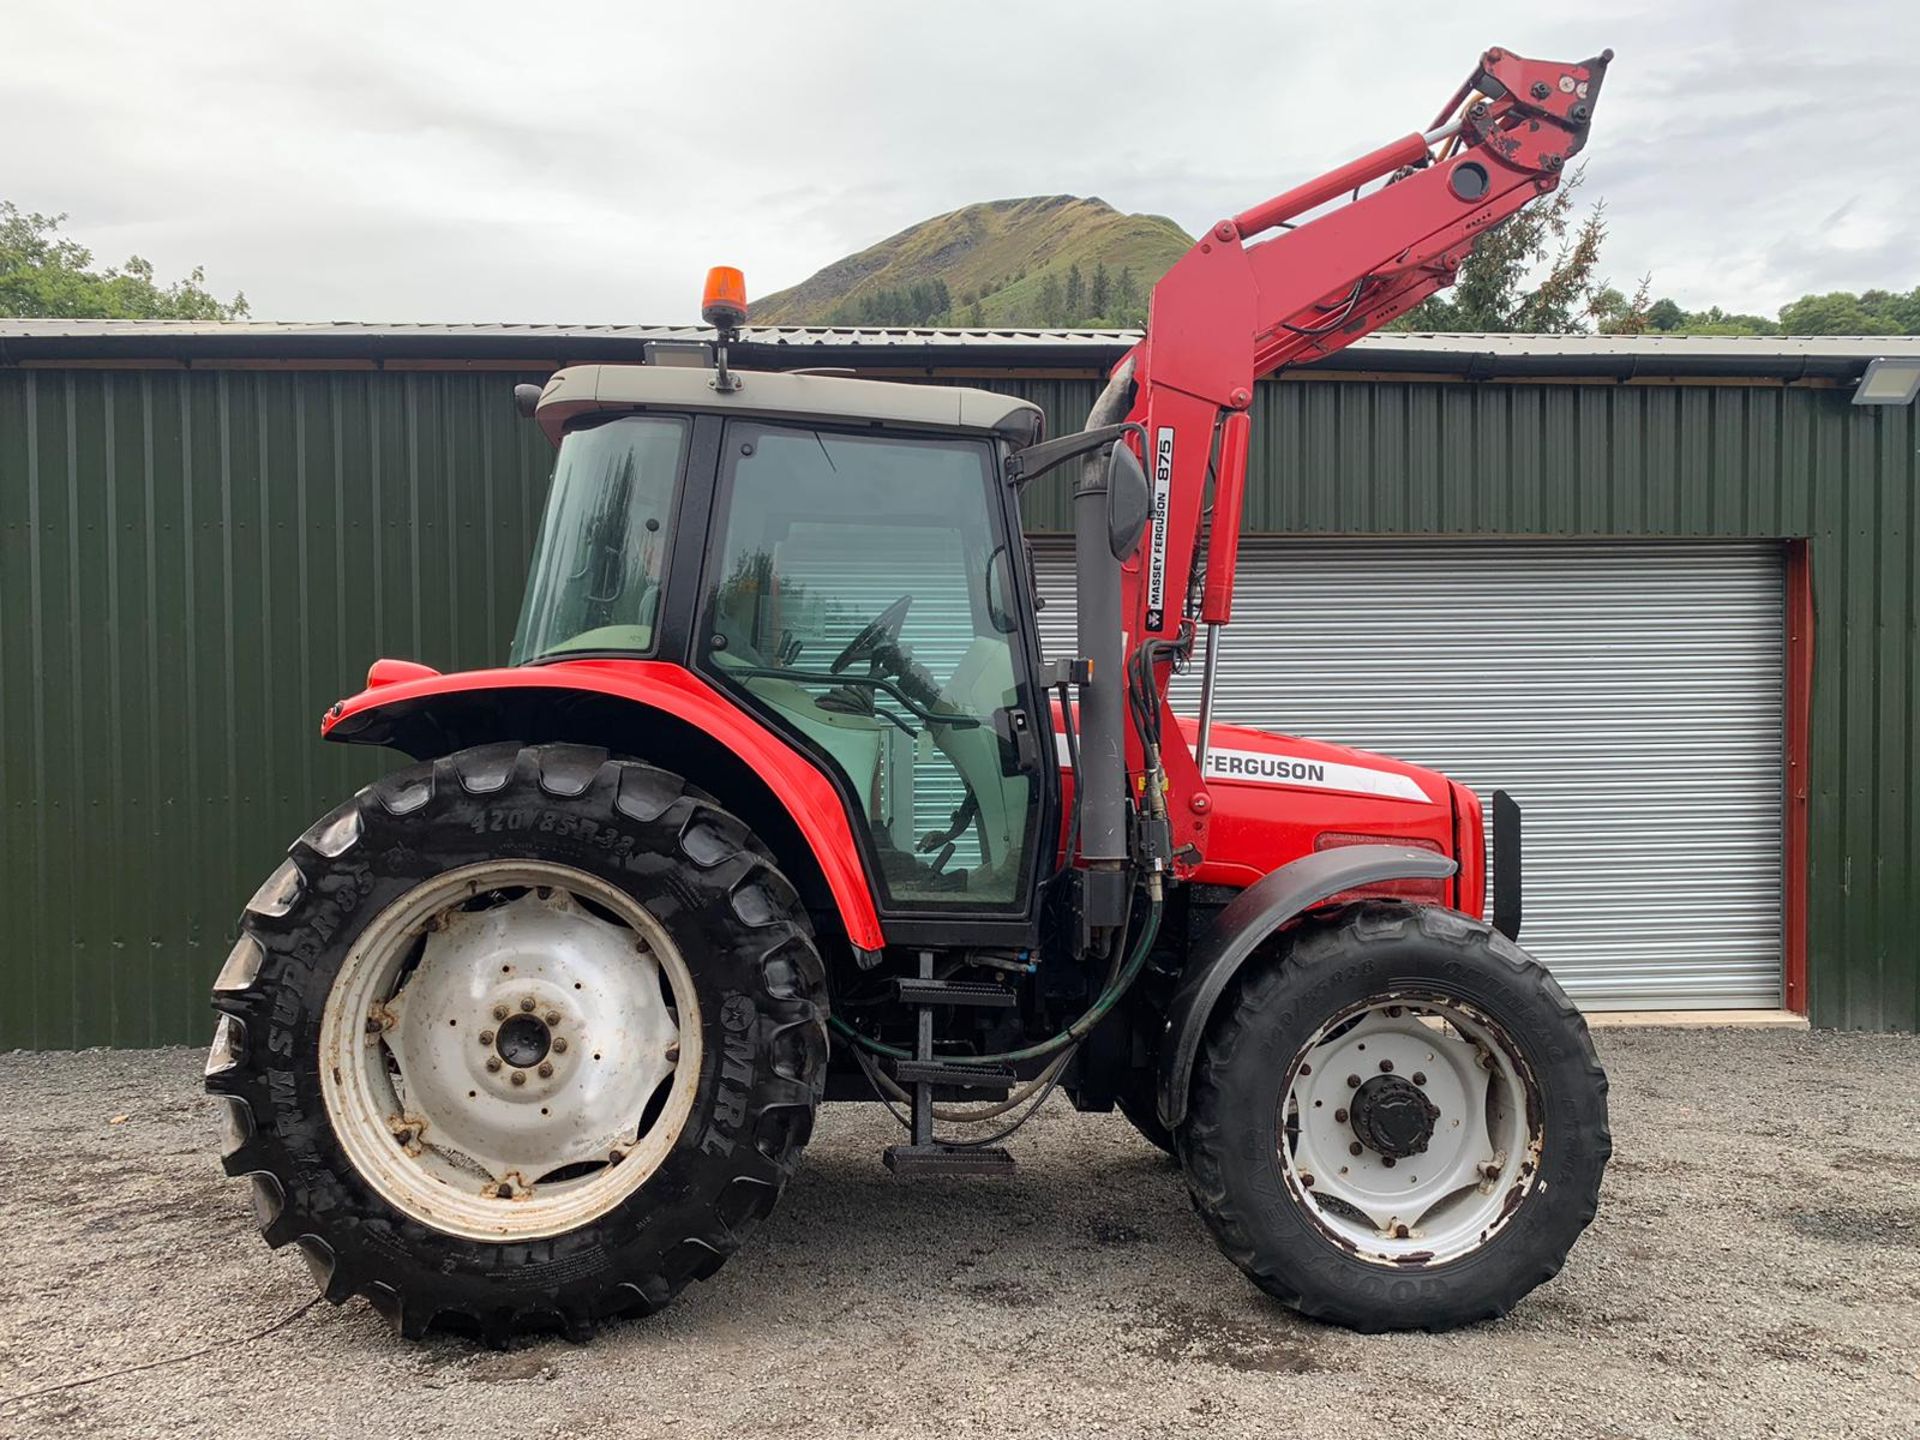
<point x="884" y="626"/>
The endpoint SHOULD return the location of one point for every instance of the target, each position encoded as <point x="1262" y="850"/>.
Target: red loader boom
<point x="1237" y="307"/>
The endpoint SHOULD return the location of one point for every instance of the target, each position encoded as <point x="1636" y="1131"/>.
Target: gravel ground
<point x="1755" y="1270"/>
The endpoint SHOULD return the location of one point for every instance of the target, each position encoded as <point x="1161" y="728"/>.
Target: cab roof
<point x="581" y="390"/>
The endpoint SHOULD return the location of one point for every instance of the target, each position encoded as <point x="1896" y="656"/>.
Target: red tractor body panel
<point x="1274" y="798"/>
<point x="807" y="795"/>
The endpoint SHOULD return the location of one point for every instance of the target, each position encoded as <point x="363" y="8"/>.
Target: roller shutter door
<point x="1630" y="695"/>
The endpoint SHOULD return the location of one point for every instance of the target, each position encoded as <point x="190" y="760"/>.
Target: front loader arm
<point x="1237" y="307"/>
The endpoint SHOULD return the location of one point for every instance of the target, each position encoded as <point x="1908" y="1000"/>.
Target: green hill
<point x="1046" y="260"/>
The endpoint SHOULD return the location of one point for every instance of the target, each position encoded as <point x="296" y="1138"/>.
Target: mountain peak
<point x="994" y="262"/>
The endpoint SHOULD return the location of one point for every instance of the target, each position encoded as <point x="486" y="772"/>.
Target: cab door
<point x="859" y="592"/>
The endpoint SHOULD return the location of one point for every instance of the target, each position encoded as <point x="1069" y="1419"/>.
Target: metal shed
<point x="207" y="531"/>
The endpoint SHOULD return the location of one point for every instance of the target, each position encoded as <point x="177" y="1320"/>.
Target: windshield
<point x="594" y="584"/>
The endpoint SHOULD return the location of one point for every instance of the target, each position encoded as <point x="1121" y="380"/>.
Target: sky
<point x="585" y="163"/>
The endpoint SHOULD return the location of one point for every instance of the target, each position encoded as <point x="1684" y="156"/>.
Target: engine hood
<point x="1274" y="798"/>
<point x="1239" y="755"/>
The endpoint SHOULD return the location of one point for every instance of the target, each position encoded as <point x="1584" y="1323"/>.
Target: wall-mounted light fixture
<point x="1889" y="382"/>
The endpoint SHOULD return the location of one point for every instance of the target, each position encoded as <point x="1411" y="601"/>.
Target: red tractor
<point x="778" y="801"/>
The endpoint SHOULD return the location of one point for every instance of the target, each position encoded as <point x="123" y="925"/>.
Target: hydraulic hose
<point x="1102" y="1006"/>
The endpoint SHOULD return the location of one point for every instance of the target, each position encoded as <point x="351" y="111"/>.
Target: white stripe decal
<point x="1264" y="767"/>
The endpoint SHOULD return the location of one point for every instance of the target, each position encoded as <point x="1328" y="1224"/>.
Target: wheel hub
<point x="1391" y="1117"/>
<point x="523" y="1041"/>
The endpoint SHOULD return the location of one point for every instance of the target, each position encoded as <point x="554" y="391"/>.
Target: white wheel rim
<point x="510" y="1050"/>
<point x="1389" y="1203"/>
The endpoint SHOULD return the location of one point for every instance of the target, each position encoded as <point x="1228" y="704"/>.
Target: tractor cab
<point x="844" y="557"/>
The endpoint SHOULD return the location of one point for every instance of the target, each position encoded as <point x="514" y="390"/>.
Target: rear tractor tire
<point x="1397" y="1120"/>
<point x="524" y="1038"/>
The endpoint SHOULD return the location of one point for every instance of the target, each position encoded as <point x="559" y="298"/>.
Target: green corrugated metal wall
<point x="192" y="565"/>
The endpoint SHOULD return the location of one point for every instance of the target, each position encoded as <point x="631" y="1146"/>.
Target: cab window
<point x="849" y="600"/>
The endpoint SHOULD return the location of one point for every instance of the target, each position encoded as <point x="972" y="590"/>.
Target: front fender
<point x="1249" y="918"/>
<point x="426" y="714"/>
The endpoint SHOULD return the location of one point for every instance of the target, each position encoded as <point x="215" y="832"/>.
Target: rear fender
<point x="1248" y="919"/>
<point x="651" y="710"/>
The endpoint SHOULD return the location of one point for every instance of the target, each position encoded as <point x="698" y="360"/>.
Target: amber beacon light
<point x="723" y="304"/>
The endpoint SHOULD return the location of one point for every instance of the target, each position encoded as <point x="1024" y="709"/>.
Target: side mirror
<point x="1129" y="500"/>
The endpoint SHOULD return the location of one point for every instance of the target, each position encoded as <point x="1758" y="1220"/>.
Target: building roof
<point x="794" y="346"/>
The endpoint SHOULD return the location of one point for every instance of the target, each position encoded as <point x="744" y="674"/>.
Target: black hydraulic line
<point x="1102" y="1006"/>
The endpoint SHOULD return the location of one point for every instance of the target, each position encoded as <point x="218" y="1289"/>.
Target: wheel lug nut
<point x="546" y="1069"/>
<point x="1340" y="1117"/>
<point x="1353" y="1082"/>
<point x="527" y="1002"/>
<point x="1307" y="1181"/>
<point x="553" y="1017"/>
<point x="486" y="1037"/>
<point x="500" y="1012"/>
<point x="1386" y="1066"/>
<point x="519" y="1077"/>
<point x="493" y="1062"/>
<point x="374" y="1027"/>
<point x="1387" y="1160"/>
<point x="1419" y="1077"/>
<point x="403" y="1137"/>
<point x="559" y="1044"/>
<point x="503" y="1190"/>
<point x="673" y="1050"/>
<point x="1353" y="1147"/>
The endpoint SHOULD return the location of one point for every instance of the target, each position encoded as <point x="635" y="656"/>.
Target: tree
<point x="1128" y="308"/>
<point x="1075" y="299"/>
<point x="45" y="275"/>
<point x="1053" y="303"/>
<point x="1666" y="317"/>
<point x="1535" y="271"/>
<point x="976" y="317"/>
<point x="1100" y="291"/>
<point x="1901" y="310"/>
<point x="925" y="302"/>
<point x="1838" y="313"/>
<point x="1615" y="313"/>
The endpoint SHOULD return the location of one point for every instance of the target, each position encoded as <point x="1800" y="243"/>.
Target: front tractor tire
<point x="1397" y="1120"/>
<point x="524" y="1038"/>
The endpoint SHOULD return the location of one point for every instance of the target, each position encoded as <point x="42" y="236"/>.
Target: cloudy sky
<point x="586" y="162"/>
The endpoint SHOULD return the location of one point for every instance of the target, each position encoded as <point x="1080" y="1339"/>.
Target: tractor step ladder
<point x="926" y="1157"/>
